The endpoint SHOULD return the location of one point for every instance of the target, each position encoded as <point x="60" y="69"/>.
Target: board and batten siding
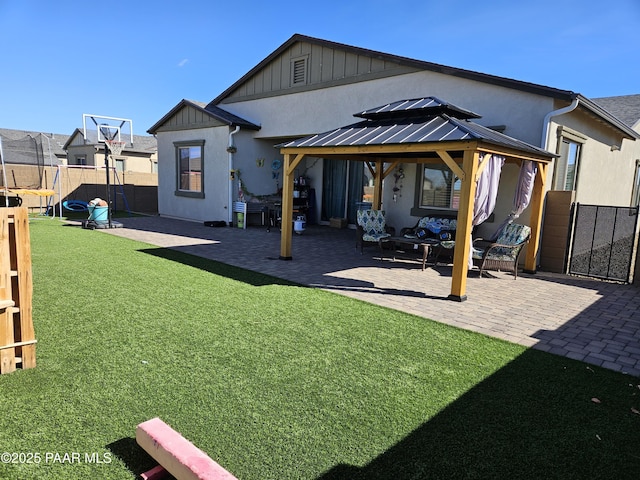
<point x="324" y="66"/>
<point x="188" y="118"/>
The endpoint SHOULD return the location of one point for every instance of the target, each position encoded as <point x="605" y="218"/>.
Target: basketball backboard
<point x="100" y="128"/>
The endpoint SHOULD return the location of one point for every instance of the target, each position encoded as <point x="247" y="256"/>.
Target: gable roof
<point x="404" y="61"/>
<point x="563" y="95"/>
<point x="212" y="111"/>
<point x="625" y="107"/>
<point x="426" y="120"/>
<point x="141" y="143"/>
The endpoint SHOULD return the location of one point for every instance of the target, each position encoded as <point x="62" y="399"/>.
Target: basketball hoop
<point x="115" y="146"/>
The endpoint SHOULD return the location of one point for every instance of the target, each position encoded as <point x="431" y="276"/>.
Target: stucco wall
<point x="317" y="111"/>
<point x="605" y="175"/>
<point x="216" y="176"/>
<point x="322" y="110"/>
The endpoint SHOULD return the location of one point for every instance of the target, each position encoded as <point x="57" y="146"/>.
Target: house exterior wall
<point x="320" y="110"/>
<point x="214" y="205"/>
<point x="341" y="83"/>
<point x="299" y="114"/>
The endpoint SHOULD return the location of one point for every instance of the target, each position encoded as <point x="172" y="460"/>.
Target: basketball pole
<point x="106" y="167"/>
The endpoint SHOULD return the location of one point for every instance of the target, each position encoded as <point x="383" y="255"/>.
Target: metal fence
<point x="603" y="241"/>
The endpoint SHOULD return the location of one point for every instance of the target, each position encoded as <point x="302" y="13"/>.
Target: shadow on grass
<point x="212" y="266"/>
<point x="132" y="455"/>
<point x="259" y="279"/>
<point x="532" y="419"/>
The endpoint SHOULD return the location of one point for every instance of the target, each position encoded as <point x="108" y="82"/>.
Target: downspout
<point x="555" y="113"/>
<point x="230" y="150"/>
<point x="543" y="144"/>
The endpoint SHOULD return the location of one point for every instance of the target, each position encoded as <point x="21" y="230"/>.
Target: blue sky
<point x="138" y="58"/>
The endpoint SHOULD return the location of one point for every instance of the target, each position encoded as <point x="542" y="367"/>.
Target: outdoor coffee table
<point x="416" y="248"/>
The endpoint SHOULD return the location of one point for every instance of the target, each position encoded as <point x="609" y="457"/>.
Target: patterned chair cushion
<point x="373" y="225"/>
<point x="437" y="224"/>
<point x="513" y="234"/>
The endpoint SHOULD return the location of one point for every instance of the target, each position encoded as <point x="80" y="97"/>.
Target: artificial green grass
<point x="278" y="381"/>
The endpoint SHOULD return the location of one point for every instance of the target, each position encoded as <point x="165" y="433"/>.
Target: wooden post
<point x="7" y="354"/>
<point x="463" y="230"/>
<point x="535" y="222"/>
<point x="17" y="337"/>
<point x="377" y="185"/>
<point x="23" y="297"/>
<point x="288" y="169"/>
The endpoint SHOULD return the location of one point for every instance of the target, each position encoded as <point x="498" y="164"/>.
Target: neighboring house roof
<point x="56" y="140"/>
<point x="211" y="111"/>
<point x="32" y="148"/>
<point x="625" y="107"/>
<point x="416" y="65"/>
<point x="141" y="143"/>
<point x="425" y="120"/>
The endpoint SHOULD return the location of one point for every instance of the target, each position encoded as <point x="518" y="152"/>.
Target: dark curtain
<point x="333" y="191"/>
<point x="356" y="184"/>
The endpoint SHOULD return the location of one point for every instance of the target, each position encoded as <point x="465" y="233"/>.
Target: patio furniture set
<point x="433" y="238"/>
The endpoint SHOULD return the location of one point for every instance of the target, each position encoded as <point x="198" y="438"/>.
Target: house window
<point x="119" y="165"/>
<point x="81" y="160"/>
<point x="569" y="148"/>
<point x="439" y="188"/>
<point x="635" y="197"/>
<point x="154" y="166"/>
<point x="190" y="168"/>
<point x="299" y="71"/>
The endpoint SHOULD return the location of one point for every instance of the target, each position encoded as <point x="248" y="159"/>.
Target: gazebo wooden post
<point x="463" y="231"/>
<point x="286" y="227"/>
<point x="377" y="184"/>
<point x="535" y="222"/>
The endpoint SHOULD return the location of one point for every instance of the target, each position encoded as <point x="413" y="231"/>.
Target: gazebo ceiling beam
<point x="405" y="152"/>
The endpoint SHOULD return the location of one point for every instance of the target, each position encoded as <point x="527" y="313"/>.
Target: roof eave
<point x="405" y="61"/>
<point x="184" y="102"/>
<point x="616" y="123"/>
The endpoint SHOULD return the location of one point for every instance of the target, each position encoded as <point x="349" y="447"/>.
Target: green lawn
<point x="278" y="381"/>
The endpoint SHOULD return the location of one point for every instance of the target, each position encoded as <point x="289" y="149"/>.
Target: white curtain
<point x="522" y="195"/>
<point x="486" y="193"/>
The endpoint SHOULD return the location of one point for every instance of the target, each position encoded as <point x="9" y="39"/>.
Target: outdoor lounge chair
<point x="371" y="227"/>
<point x="503" y="253"/>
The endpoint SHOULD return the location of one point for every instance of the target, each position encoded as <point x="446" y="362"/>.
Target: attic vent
<point x="299" y="71"/>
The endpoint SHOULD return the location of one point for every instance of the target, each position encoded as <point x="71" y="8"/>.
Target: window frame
<point x="635" y="194"/>
<point x="119" y="160"/>
<point x="420" y="177"/>
<point x="189" y="144"/>
<point x="561" y="171"/>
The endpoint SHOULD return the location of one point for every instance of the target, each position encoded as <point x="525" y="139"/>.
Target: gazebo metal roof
<point x="425" y="120"/>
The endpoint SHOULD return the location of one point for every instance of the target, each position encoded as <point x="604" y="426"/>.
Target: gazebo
<point x="425" y="130"/>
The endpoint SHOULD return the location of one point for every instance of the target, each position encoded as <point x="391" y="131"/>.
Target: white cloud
<point x="183" y="62"/>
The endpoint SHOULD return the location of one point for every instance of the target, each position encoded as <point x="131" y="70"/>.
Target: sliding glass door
<point x="342" y="189"/>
